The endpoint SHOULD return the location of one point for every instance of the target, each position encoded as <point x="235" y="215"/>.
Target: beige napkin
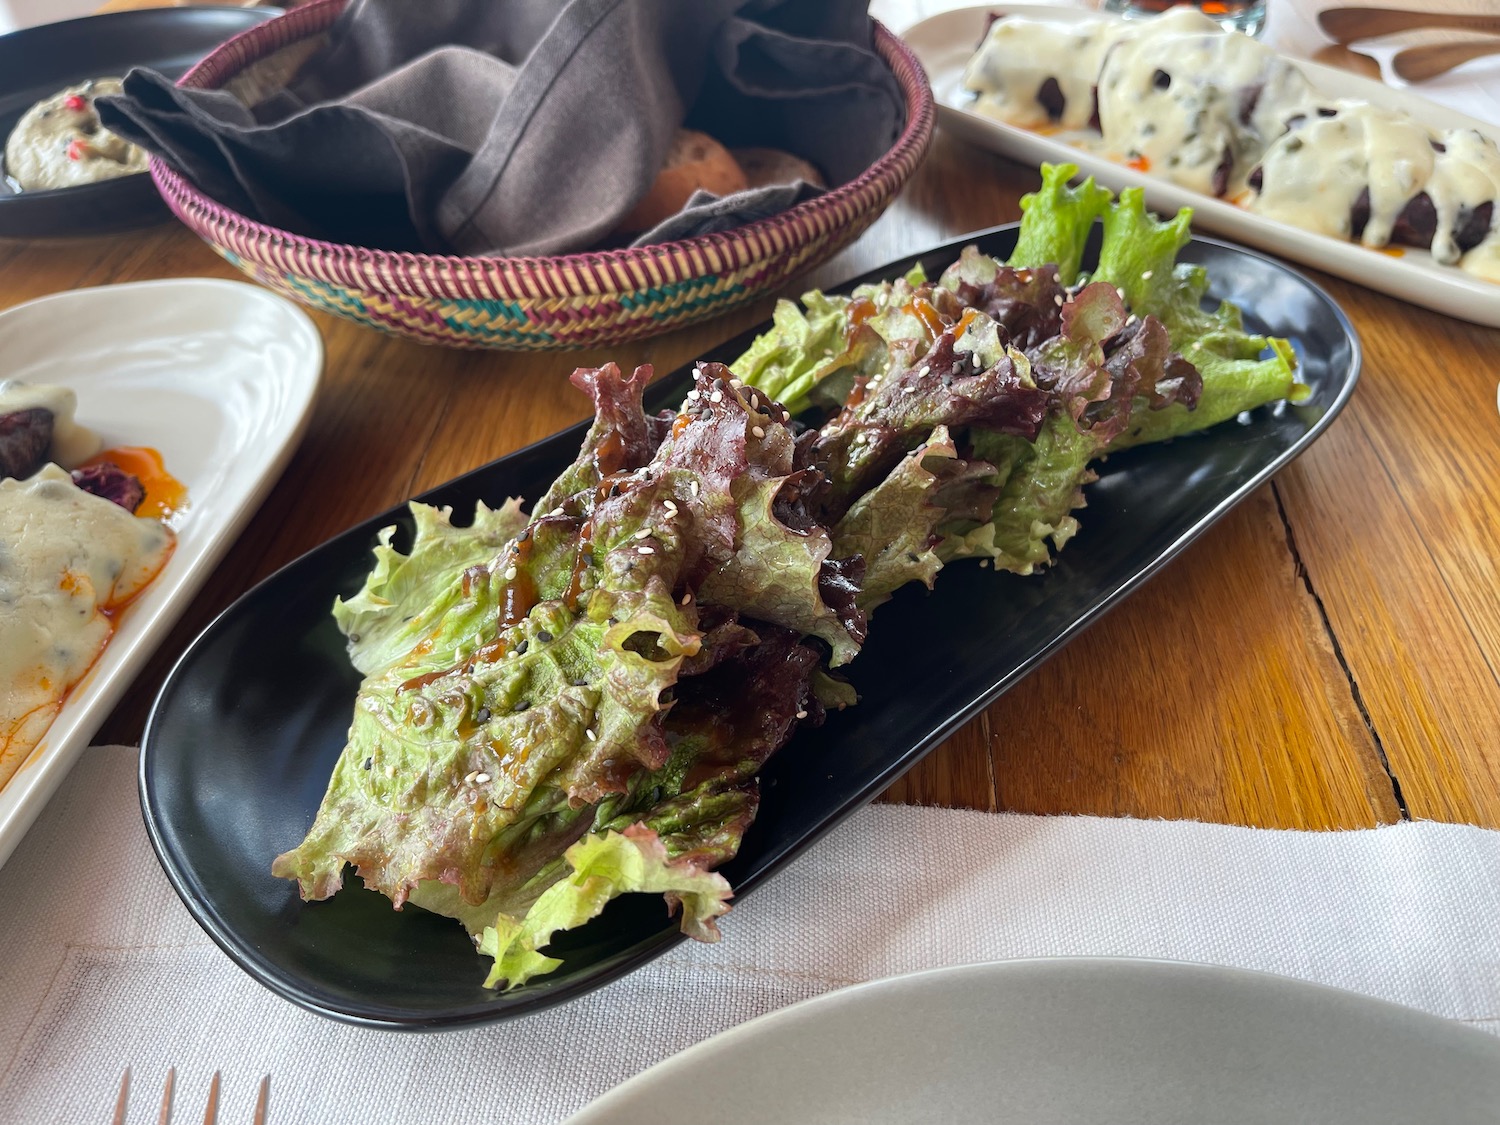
<point x="104" y="969"/>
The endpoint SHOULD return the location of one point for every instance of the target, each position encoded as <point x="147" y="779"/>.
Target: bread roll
<point x="695" y="161"/>
<point x="765" y="166"/>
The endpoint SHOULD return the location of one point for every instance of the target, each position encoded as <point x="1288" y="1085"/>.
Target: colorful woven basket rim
<point x="231" y="57"/>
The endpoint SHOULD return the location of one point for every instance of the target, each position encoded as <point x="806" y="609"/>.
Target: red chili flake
<point x="75" y="149"/>
<point x="76" y="103"/>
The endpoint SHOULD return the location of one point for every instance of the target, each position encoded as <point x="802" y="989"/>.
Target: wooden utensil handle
<point x="1344" y="25"/>
<point x="1418" y="64"/>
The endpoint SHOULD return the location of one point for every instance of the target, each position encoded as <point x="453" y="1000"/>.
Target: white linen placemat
<point x="103" y="968"/>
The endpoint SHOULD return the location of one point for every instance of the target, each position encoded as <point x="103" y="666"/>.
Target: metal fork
<point x="210" y="1115"/>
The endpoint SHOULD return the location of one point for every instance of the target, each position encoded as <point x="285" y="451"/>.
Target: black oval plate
<point x="244" y="736"/>
<point x="37" y="62"/>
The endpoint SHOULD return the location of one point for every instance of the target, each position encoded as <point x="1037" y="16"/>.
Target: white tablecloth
<point x="103" y="968"/>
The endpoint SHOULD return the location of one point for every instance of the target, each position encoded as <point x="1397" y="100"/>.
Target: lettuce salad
<point x="567" y="705"/>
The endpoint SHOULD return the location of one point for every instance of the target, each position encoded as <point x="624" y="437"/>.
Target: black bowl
<point x="37" y="62"/>
<point x="242" y="740"/>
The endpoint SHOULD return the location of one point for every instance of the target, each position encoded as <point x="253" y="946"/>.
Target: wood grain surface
<point x="1324" y="657"/>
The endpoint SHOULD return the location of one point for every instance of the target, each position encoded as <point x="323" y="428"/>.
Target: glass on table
<point x="1248" y="16"/>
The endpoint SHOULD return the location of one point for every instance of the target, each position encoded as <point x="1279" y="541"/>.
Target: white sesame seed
<point x="557" y="511"/>
<point x="693" y="393"/>
<point x="481" y="778"/>
<point x="646" y="550"/>
<point x="693" y="487"/>
<point x="908" y="390"/>
<point x="1131" y="319"/>
<point x="974" y="358"/>
<point x="687" y="597"/>
<point x="1120" y="291"/>
<point x="671" y="507"/>
<point x="469" y="777"/>
<point x="1147" y="275"/>
<point x="510" y="574"/>
<point x="734" y="382"/>
<point x="922" y="371"/>
<point x="589" y="733"/>
<point x="1057" y="300"/>
<point x="643" y="533"/>
<point x="717" y="396"/>
<point x="786" y="415"/>
<point x="757" y="431"/>
<point x="390" y="771"/>
<point x="984" y="564"/>
<point x="801" y="714"/>
<point x="827" y="353"/>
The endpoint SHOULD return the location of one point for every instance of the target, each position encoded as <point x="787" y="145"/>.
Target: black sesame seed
<point x="482" y="715"/>
<point x="521" y="648"/>
<point x="369" y="762"/>
<point x="543" y="636"/>
<point x="580" y="682"/>
<point x="521" y="706"/>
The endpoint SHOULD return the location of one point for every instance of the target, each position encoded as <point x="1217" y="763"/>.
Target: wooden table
<point x="1325" y="657"/>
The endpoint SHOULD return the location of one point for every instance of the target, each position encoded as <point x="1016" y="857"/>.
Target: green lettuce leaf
<point x="603" y="867"/>
<point x="1138" y="257"/>
<point x="406" y="596"/>
<point x="1056" y="220"/>
<point x="894" y="526"/>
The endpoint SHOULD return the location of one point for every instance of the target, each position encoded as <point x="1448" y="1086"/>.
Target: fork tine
<point x="260" y="1102"/>
<point x="123" y="1099"/>
<point x="165" y="1116"/>
<point x="211" y="1114"/>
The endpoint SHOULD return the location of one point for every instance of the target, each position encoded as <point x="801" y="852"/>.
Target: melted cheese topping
<point x="1315" y="175"/>
<point x="1020" y="54"/>
<point x="1182" y="98"/>
<point x="68" y="560"/>
<point x="72" y="444"/>
<point x="60" y="142"/>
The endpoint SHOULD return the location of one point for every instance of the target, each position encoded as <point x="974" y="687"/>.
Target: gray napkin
<point x="522" y="127"/>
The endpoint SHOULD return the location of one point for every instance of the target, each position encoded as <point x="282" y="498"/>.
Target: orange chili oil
<point x="165" y="494"/>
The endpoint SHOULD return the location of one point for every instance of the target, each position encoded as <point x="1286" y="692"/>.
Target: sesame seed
<point x="908" y="390"/>
<point x="522" y="647"/>
<point x="646" y="550"/>
<point x="687" y="597"/>
<point x="482" y="715"/>
<point x="671" y="507"/>
<point x="717" y="396"/>
<point x="758" y="431"/>
<point x="693" y="393"/>
<point x="922" y="371"/>
<point x="469" y="777"/>
<point x="786" y="415"/>
<point x="693" y="487"/>
<point x="510" y="574"/>
<point x="984" y="564"/>
<point x="481" y="778"/>
<point x="827" y="353"/>
<point x="1131" y="319"/>
<point x="1057" y="300"/>
<point x="390" y="771"/>
<point x="643" y="533"/>
<point x="543" y="636"/>
<point x="589" y="734"/>
<point x="801" y="714"/>
<point x="369" y="762"/>
<point x="974" y="359"/>
<point x="1147" y="275"/>
<point x="735" y="382"/>
<point x="1120" y="291"/>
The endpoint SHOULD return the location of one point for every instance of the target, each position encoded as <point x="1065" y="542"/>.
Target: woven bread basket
<point x="567" y="301"/>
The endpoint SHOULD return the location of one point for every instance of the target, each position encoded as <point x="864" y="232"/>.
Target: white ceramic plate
<point x="1075" y="1041"/>
<point x="946" y="42"/>
<point x="217" y="376"/>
